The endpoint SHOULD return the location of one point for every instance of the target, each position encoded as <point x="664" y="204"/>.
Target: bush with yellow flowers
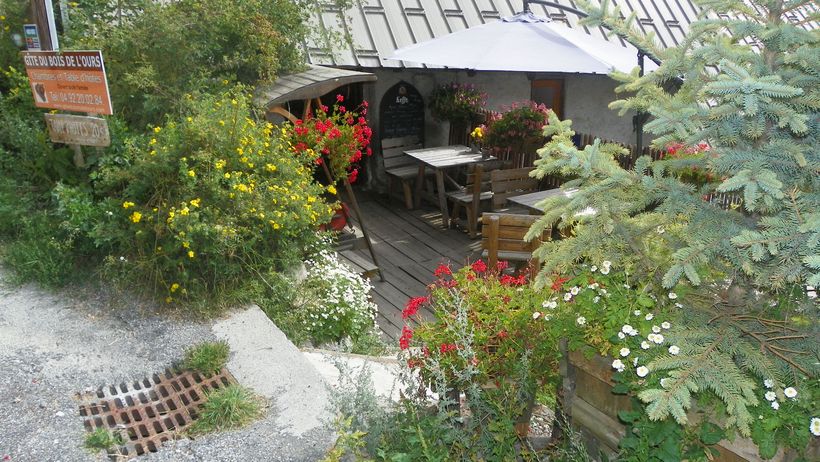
<point x="208" y="201"/>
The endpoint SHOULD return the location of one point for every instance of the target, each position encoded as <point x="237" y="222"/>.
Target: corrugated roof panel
<point x="379" y="27"/>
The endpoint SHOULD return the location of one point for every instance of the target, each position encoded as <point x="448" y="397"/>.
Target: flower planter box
<point x="590" y="405"/>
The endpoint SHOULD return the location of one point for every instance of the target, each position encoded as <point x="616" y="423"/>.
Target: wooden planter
<point x="593" y="410"/>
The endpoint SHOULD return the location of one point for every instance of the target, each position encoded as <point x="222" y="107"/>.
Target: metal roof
<point x="312" y="83"/>
<point x="378" y="27"/>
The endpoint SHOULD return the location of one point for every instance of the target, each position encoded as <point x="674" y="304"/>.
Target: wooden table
<point x="441" y="159"/>
<point x="528" y="201"/>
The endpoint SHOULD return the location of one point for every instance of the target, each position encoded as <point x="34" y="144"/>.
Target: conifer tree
<point x="742" y="93"/>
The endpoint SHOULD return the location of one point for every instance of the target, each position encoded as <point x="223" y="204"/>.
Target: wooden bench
<point x="400" y="166"/>
<point x="510" y="182"/>
<point x="503" y="237"/>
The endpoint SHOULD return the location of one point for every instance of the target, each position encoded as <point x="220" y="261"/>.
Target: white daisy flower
<point x="768" y="383"/>
<point x="656" y="329"/>
<point x="672" y="295"/>
<point x="624" y="352"/>
<point x="679" y="305"/>
<point x="660" y="229"/>
<point x="633" y="332"/>
<point x="814" y="426"/>
<point x="666" y="325"/>
<point x="790" y="393"/>
<point x="581" y="320"/>
<point x="658" y="339"/>
<point x="536" y="315"/>
<point x="637" y="312"/>
<point x="649" y="316"/>
<point x="626" y="328"/>
<point x="547" y="317"/>
<point x="605" y="270"/>
<point x="618" y="365"/>
<point x="642" y="371"/>
<point x="674" y="350"/>
<point x="606" y="264"/>
<point x="775" y="405"/>
<point x="567" y="297"/>
<point x="594" y="268"/>
<point x="596" y="299"/>
<point x="593" y="286"/>
<point x="665" y="382"/>
<point x="770" y="396"/>
<point x="574" y="290"/>
<point x="602" y="292"/>
<point x="621" y="335"/>
<point x="645" y="345"/>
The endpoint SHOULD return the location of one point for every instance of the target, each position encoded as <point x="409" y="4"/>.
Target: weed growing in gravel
<point x="207" y="358"/>
<point x="226" y="409"/>
<point x="102" y="439"/>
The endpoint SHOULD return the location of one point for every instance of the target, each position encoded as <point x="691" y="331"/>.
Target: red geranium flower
<point x="558" y="283"/>
<point x="479" y="266"/>
<point x="442" y="270"/>
<point x="340" y="98"/>
<point x="406" y="335"/>
<point x="412" y="306"/>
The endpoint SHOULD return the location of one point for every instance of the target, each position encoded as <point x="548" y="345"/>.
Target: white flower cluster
<point x="771" y="396"/>
<point x="654" y="337"/>
<point x="342" y="296"/>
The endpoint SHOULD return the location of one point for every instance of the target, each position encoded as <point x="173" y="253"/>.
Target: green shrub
<point x="226" y="409"/>
<point x="207" y="202"/>
<point x="39" y="254"/>
<point x="207" y="358"/>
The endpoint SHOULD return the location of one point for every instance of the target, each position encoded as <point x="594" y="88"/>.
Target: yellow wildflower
<point x="225" y="82"/>
<point x="157" y="129"/>
<point x="222" y="122"/>
<point x="195" y="202"/>
<point x="186" y="245"/>
<point x="136" y="217"/>
<point x="127" y="204"/>
<point x="219" y="164"/>
<point x="227" y="175"/>
<point x="191" y="254"/>
<point x="189" y="119"/>
<point x="174" y="287"/>
<point x="168" y="299"/>
<point x="153" y="141"/>
<point x="191" y="173"/>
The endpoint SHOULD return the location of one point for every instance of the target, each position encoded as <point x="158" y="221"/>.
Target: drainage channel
<point x="150" y="412"/>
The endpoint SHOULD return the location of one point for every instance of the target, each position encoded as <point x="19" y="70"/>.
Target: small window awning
<point x="306" y="86"/>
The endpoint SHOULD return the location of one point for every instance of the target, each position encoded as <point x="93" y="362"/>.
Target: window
<point x="550" y="92"/>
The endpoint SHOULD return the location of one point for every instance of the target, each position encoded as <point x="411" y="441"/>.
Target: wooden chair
<point x="510" y="182"/>
<point x="477" y="189"/>
<point x="503" y="237"/>
<point x="398" y="165"/>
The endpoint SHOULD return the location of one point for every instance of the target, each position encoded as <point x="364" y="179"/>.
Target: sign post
<point x="32" y="37"/>
<point x="71" y="81"/>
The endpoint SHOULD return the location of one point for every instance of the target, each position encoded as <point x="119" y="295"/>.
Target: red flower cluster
<point x="682" y="150"/>
<point x="406" y="336"/>
<point x="508" y="280"/>
<point x="558" y="283"/>
<point x="412" y="306"/>
<point x="442" y="270"/>
<point x="339" y="138"/>
<point x="479" y="266"/>
<point x="447" y="347"/>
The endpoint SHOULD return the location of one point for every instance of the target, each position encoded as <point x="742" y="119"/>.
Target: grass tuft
<point x="102" y="439"/>
<point x="226" y="409"/>
<point x="207" y="358"/>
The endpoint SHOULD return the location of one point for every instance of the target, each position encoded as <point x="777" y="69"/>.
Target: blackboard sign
<point x="402" y="112"/>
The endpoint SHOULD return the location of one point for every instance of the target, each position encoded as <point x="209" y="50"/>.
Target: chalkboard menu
<point x="402" y="112"/>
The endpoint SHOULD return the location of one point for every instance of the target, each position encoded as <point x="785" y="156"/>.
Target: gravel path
<point x="53" y="345"/>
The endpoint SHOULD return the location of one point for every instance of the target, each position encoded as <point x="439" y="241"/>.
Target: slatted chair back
<point x="399" y="165"/>
<point x="503" y="237"/>
<point x="511" y="182"/>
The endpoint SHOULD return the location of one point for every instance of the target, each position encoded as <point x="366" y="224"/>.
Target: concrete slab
<point x="383" y="370"/>
<point x="263" y="359"/>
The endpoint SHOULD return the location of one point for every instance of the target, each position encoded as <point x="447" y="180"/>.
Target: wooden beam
<point x="284" y="113"/>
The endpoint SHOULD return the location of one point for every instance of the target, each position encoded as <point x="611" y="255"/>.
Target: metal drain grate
<point x="151" y="412"/>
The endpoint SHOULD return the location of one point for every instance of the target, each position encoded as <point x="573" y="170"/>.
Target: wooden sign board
<point x="81" y="130"/>
<point x="68" y="80"/>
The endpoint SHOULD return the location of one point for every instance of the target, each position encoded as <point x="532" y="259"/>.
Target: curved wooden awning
<point x="305" y="86"/>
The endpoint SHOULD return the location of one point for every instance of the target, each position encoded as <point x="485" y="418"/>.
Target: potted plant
<point x="517" y="129"/>
<point x="461" y="104"/>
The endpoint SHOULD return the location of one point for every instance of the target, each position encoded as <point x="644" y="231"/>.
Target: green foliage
<point x="153" y="56"/>
<point x="12" y="18"/>
<point x="206" y="202"/>
<point x="207" y="358"/>
<point x="227" y="408"/>
<point x="102" y="439"/>
<point x="742" y="272"/>
<point x="40" y="252"/>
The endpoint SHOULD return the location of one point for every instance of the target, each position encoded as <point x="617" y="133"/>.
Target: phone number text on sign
<point x="68" y="80"/>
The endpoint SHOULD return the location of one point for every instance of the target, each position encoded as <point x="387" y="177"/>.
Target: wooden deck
<point x="409" y="245"/>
